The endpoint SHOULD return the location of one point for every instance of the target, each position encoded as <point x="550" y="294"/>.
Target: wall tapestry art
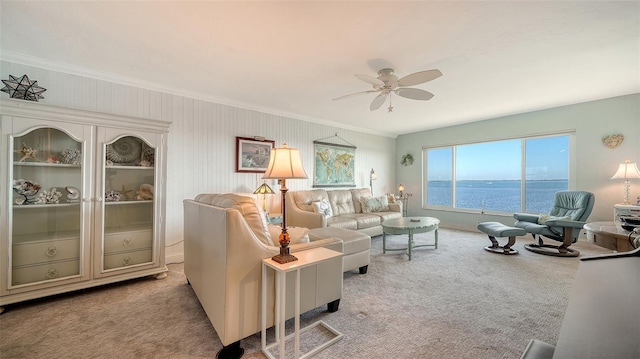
<point x="334" y="165"/>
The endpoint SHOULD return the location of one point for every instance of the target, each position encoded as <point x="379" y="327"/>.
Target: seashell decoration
<point x="27" y="189"/>
<point x="125" y="150"/>
<point x="70" y="156"/>
<point x="49" y="197"/>
<point x="73" y="194"/>
<point x="145" y="192"/>
<point x="112" y="196"/>
<point x="27" y="153"/>
<point x="613" y="141"/>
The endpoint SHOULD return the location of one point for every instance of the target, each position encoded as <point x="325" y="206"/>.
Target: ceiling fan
<point x="387" y="83"/>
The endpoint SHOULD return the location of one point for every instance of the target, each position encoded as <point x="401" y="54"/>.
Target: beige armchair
<point x="225" y="239"/>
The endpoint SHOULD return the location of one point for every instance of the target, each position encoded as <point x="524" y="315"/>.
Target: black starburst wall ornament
<point x="23" y="88"/>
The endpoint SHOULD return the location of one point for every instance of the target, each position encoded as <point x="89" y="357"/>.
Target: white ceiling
<point x="292" y="58"/>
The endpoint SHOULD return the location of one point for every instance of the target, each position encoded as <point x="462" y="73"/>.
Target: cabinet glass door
<point x="46" y="215"/>
<point x="128" y="187"/>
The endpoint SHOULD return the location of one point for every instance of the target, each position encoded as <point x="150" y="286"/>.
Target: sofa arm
<point x="329" y="243"/>
<point x="395" y="207"/>
<point x="300" y="218"/>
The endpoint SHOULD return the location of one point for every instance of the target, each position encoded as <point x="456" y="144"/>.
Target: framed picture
<point x="252" y="156"/>
<point x="334" y="165"/>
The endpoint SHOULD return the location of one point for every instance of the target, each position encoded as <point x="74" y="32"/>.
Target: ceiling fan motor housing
<point x="390" y="80"/>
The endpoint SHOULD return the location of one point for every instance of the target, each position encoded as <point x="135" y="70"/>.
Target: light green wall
<point x="593" y="163"/>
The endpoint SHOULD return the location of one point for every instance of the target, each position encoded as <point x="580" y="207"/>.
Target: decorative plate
<point x="125" y="150"/>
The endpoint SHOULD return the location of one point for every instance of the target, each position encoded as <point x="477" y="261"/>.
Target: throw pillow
<point x="374" y="204"/>
<point x="323" y="207"/>
<point x="296" y="234"/>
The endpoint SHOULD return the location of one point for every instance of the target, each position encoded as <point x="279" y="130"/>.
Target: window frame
<point x="571" y="181"/>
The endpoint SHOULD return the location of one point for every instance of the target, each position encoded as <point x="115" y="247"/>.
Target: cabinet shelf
<point x="49" y="205"/>
<point x="125" y="203"/>
<point x="45" y="164"/>
<point x="129" y="168"/>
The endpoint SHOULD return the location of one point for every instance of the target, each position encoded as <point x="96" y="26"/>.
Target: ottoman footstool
<point x="356" y="246"/>
<point x="497" y="229"/>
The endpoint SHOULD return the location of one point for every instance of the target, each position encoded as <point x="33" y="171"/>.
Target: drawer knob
<point x="51" y="251"/>
<point x="52" y="273"/>
<point x="126" y="242"/>
<point x="127" y="261"/>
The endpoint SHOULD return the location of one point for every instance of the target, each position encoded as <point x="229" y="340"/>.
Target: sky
<point x="546" y="157"/>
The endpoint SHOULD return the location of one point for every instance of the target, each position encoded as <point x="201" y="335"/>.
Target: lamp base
<point x="284" y="256"/>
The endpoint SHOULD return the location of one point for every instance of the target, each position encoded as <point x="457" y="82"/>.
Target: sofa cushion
<point x="374" y="204"/>
<point x="364" y="220"/>
<point x="341" y="202"/>
<point x="247" y="206"/>
<point x="342" y="222"/>
<point x="322" y="207"/>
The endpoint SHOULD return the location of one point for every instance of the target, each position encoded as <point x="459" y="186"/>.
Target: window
<point x="500" y="176"/>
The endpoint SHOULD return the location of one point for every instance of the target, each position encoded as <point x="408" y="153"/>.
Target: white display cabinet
<point x="83" y="199"/>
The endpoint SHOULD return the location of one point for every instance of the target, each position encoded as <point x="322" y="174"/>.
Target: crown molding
<point x="34" y="61"/>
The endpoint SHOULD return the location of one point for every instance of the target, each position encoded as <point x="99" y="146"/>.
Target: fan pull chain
<point x="390" y="107"/>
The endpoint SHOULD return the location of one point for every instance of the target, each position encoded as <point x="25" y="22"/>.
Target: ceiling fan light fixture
<point x="387" y="82"/>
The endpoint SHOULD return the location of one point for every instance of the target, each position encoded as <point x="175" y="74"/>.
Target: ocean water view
<point x="497" y="195"/>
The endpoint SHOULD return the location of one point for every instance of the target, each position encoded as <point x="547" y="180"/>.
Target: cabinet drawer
<point x="24" y="275"/>
<point x="127" y="259"/>
<point x="45" y="251"/>
<point x="127" y="241"/>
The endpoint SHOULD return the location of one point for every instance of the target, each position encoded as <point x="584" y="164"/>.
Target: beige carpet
<point x="457" y="301"/>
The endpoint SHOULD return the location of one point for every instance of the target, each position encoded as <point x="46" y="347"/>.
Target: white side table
<point x="306" y="258"/>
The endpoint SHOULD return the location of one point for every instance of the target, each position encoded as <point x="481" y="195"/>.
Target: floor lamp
<point x="284" y="163"/>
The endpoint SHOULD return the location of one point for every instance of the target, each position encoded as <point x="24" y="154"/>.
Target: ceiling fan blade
<point x="419" y="78"/>
<point x="370" y="79"/>
<point x="354" y="94"/>
<point x="377" y="102"/>
<point x="414" y="94"/>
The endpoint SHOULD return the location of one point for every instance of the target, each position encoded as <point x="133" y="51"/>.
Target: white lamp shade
<point x="285" y="163"/>
<point x="627" y="171"/>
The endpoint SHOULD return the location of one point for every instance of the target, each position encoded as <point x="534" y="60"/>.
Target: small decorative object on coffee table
<point x="409" y="226"/>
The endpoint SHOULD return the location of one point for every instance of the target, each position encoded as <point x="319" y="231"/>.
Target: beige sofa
<point x="225" y="239"/>
<point x="347" y="210"/>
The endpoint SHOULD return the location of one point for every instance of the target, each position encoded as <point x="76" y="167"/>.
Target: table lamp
<point x="264" y="190"/>
<point x="284" y="163"/>
<point x="627" y="171"/>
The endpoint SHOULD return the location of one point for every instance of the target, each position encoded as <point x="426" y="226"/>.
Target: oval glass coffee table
<point x="409" y="226"/>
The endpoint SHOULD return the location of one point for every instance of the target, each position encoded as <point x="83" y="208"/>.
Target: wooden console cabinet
<point x="82" y="199"/>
